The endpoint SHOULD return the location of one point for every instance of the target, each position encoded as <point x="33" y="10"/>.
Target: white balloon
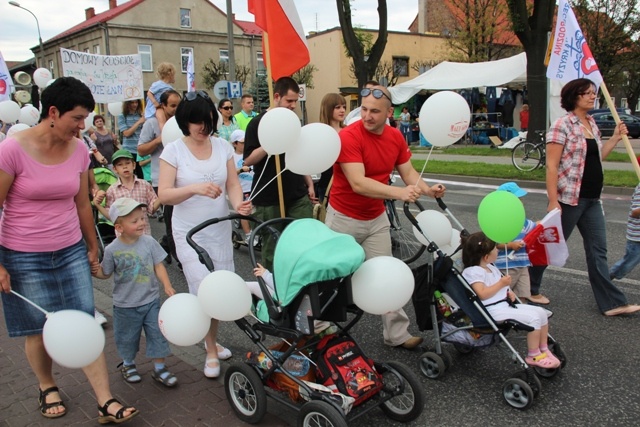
<point x="224" y="295"/>
<point x="444" y="118"/>
<point x="73" y="338"/>
<point x="88" y="122"/>
<point x="171" y="131"/>
<point x="182" y="320"/>
<point x="41" y="77"/>
<point x="9" y="111"/>
<point x="435" y="225"/>
<point x="50" y="82"/>
<point x="451" y="247"/>
<point x="115" y="108"/>
<point x="29" y="115"/>
<point x="382" y="284"/>
<point x="279" y="130"/>
<point x="17" y="128"/>
<point x="316" y="151"/>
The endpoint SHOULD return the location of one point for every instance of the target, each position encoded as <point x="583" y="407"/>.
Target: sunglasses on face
<point x="377" y="93"/>
<point x="190" y="96"/>
<point x="227" y="108"/>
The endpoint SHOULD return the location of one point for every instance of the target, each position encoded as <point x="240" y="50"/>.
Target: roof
<point x="249" y="28"/>
<point x="99" y="18"/>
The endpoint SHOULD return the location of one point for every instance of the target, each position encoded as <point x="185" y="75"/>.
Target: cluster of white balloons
<point x="309" y="149"/>
<point x="185" y="319"/>
<point x="444" y="118"/>
<point x="435" y="227"/>
<point x="382" y="284"/>
<point x="28" y="115"/>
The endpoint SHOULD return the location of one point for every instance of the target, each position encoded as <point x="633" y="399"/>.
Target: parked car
<point x="606" y="110"/>
<point x="606" y="124"/>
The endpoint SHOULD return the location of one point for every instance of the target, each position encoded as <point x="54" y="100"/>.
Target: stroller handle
<point x="203" y="256"/>
<point x="443" y="206"/>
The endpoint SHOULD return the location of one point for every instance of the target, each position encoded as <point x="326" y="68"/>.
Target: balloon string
<point x="424" y="166"/>
<point x="506" y="257"/>
<point x="258" y="181"/>
<point x="31" y="302"/>
<point x="267" y="184"/>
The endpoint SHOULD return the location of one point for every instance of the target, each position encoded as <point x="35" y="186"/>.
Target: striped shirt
<point x="633" y="224"/>
<point x="567" y="131"/>
<point x="520" y="257"/>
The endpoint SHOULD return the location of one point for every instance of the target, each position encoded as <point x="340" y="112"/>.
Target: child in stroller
<point x="478" y="254"/>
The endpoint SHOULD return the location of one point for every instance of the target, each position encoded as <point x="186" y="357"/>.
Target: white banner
<point x="6" y="83"/>
<point x="111" y="78"/>
<point x="191" y="74"/>
<point x="570" y="57"/>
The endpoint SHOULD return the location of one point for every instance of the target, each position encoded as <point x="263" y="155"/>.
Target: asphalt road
<point x="597" y="388"/>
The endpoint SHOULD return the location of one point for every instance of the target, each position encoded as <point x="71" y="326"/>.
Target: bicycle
<point x="530" y="155"/>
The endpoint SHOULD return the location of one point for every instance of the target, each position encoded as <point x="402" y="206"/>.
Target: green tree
<point x="364" y="64"/>
<point x="305" y="75"/>
<point x="213" y="72"/>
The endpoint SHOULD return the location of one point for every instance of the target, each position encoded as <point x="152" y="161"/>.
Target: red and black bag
<point x="342" y="367"/>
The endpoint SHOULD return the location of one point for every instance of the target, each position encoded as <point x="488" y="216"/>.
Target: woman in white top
<point x="197" y="172"/>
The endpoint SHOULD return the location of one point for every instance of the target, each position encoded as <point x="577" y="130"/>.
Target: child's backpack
<point x="342" y="367"/>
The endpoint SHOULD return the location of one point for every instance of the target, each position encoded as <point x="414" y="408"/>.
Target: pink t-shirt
<point x="39" y="211"/>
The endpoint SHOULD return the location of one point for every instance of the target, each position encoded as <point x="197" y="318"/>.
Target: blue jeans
<point x="58" y="280"/>
<point x="588" y="216"/>
<point x="127" y="328"/>
<point x="630" y="259"/>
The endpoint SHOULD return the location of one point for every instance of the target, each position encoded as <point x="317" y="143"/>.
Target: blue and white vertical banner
<point x="191" y="74"/>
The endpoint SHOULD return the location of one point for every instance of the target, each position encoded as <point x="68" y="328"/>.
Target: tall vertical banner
<point x="287" y="45"/>
<point x="191" y="74"/>
<point x="111" y="78"/>
<point x="6" y="83"/>
<point x="571" y="57"/>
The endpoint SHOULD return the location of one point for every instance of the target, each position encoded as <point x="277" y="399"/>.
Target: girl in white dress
<point x="197" y="173"/>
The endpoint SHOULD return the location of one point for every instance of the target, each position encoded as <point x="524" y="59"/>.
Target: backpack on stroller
<point x="104" y="228"/>
<point x="467" y="325"/>
<point x="312" y="270"/>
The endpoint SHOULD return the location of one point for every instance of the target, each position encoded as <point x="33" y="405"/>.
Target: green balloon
<point x="501" y="216"/>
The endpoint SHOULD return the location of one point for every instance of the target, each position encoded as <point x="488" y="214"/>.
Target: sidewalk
<point x="196" y="401"/>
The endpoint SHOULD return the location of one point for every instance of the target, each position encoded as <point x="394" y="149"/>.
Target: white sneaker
<point x="100" y="318"/>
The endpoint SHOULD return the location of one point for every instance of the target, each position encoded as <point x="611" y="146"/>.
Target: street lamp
<point x="16" y="4"/>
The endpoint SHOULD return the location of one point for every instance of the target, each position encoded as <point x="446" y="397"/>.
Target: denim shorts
<point x="58" y="280"/>
<point x="127" y="326"/>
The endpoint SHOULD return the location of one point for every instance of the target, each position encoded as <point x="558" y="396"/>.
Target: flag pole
<point x="625" y="139"/>
<point x="265" y="36"/>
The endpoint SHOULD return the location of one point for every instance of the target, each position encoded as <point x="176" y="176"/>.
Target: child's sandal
<point x="542" y="361"/>
<point x="165" y="377"/>
<point x="130" y="373"/>
<point x="105" y="417"/>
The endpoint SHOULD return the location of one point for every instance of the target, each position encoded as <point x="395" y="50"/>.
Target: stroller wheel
<point x="408" y="402"/>
<point x="432" y="365"/>
<point x="464" y="349"/>
<point x="532" y="380"/>
<point x="245" y="391"/>
<point x="320" y="414"/>
<point x="236" y="239"/>
<point x="517" y="393"/>
<point x="448" y="360"/>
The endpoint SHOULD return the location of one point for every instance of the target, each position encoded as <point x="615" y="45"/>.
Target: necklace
<point x="587" y="130"/>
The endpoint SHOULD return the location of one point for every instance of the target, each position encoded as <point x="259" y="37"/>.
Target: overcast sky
<point x="18" y="31"/>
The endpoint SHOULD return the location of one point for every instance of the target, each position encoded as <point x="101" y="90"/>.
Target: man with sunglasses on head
<point x="370" y="150"/>
<point x="297" y="190"/>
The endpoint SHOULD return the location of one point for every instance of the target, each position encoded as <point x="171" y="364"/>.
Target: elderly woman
<point x="48" y="245"/>
<point x="197" y="172"/>
<point x="574" y="184"/>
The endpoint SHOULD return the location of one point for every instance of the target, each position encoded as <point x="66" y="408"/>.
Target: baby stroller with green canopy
<point x="104" y="228"/>
<point x="312" y="273"/>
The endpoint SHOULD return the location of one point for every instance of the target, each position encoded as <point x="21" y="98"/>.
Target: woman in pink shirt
<point x="48" y="245"/>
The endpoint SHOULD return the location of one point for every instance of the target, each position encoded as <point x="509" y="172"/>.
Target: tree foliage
<point x="213" y="72"/>
<point x="482" y="31"/>
<point x="364" y="64"/>
<point x="305" y="75"/>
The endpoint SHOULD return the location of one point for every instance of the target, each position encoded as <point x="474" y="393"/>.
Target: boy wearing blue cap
<point x="512" y="257"/>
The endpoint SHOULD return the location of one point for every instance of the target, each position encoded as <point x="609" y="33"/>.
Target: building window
<point x="144" y="50"/>
<point x="185" y="18"/>
<point x="401" y="66"/>
<point x="184" y="57"/>
<point x="261" y="69"/>
<point x="96" y="49"/>
<point x="224" y="56"/>
<point x="86" y="50"/>
<point x="51" y="69"/>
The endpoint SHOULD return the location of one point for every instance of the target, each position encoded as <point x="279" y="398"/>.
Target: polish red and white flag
<point x="288" y="50"/>
<point x="545" y="244"/>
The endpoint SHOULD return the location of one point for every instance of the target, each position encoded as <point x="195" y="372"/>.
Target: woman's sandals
<point x="105" y="417"/>
<point x="44" y="406"/>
